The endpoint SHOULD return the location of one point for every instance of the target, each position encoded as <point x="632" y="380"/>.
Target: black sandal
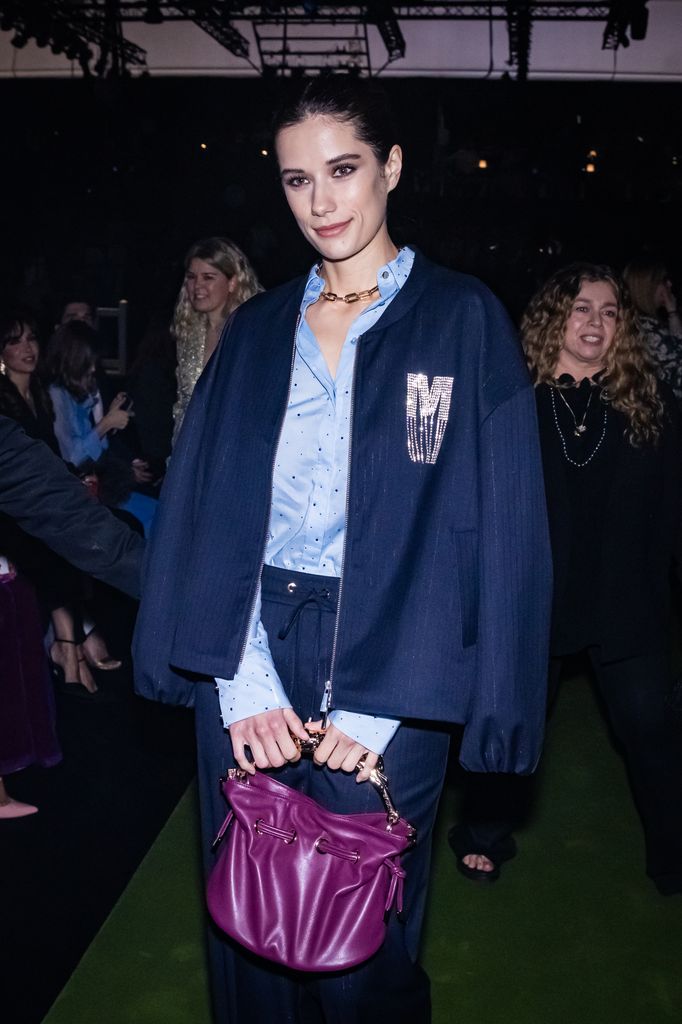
<point x="462" y="846"/>
<point x="71" y="687"/>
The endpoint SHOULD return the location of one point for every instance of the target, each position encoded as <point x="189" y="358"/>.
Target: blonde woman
<point x="218" y="278"/>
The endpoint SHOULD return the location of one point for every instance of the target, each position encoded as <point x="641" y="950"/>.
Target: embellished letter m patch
<point x="428" y="409"/>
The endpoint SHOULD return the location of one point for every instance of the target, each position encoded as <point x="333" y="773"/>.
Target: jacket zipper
<point x="272" y="474"/>
<point x="328" y="688"/>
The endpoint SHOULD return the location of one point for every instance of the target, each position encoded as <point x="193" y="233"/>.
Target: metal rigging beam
<point x="215" y="21"/>
<point x="99" y="22"/>
<point x="484" y="10"/>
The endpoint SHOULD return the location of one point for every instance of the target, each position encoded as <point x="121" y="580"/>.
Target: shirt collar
<point x="390" y="278"/>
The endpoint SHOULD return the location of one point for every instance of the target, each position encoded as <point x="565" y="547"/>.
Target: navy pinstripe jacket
<point x="444" y="612"/>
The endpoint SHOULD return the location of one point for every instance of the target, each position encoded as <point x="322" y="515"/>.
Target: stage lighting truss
<point x="301" y="37"/>
<point x="84" y="32"/>
<point x="624" y="16"/>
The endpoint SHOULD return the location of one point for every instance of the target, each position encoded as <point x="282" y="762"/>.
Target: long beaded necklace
<point x="577" y="432"/>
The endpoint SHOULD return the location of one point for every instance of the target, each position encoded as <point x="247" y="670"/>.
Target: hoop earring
<point x="3" y="368"/>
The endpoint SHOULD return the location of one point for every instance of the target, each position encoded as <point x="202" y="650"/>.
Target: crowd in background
<point x="116" y="436"/>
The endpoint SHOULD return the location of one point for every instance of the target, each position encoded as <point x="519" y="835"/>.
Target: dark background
<point x="106" y="183"/>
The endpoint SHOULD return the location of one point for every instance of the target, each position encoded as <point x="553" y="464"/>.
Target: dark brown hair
<point x="359" y="102"/>
<point x="12" y="326"/>
<point x="71" y="357"/>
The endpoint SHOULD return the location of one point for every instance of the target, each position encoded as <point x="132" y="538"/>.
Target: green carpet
<point x="573" y="933"/>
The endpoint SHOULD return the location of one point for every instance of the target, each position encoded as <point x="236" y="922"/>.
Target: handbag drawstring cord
<point x="395" y="889"/>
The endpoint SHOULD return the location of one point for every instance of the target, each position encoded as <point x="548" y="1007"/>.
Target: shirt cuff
<point x="94" y="445"/>
<point x="241" y="699"/>
<point x="369" y="730"/>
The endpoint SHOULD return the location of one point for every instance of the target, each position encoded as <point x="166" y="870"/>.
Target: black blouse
<point x="614" y="512"/>
<point x="579" y="434"/>
<point x="39" y="425"/>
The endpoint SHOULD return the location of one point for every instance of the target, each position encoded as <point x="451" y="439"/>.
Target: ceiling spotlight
<point x="624" y="16"/>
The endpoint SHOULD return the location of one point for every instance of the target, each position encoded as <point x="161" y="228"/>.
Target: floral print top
<point x="666" y="351"/>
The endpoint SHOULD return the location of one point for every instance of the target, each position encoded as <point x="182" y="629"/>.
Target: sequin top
<point x="190" y="353"/>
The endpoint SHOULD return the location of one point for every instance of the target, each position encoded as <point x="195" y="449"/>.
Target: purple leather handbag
<point x="301" y="885"/>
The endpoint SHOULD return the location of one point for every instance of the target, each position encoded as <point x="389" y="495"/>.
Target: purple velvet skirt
<point x="27" y="712"/>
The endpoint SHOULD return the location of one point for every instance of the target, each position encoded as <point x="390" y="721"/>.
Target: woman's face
<point x="590" y="330"/>
<point x="663" y="296"/>
<point x="208" y="289"/>
<point x="20" y="354"/>
<point x="335" y="186"/>
<point x="87" y="385"/>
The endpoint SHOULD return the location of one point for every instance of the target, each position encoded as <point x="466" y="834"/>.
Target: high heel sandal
<point x="107" y="664"/>
<point x="72" y="687"/>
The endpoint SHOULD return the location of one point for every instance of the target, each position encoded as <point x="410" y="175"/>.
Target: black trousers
<point x="634" y="691"/>
<point x="391" y="985"/>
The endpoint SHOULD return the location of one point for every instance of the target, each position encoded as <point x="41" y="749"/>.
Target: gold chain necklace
<point x="579" y="428"/>
<point x="351" y="296"/>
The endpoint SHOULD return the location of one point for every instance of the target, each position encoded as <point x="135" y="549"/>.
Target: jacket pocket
<point x="466" y="548"/>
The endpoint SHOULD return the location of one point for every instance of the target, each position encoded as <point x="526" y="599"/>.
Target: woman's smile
<point x="330" y="230"/>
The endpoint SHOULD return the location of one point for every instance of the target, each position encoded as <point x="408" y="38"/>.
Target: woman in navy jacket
<point x="353" y="517"/>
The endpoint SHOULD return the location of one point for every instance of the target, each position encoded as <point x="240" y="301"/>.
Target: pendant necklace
<point x="578" y="428"/>
<point x="598" y="445"/>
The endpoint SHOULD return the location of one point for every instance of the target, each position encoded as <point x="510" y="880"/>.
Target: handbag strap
<point x="377" y="775"/>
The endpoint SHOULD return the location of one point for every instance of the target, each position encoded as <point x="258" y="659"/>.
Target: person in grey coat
<point x="50" y="503"/>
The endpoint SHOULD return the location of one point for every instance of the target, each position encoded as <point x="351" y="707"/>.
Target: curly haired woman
<point x="218" y="278"/>
<point x="610" y="438"/>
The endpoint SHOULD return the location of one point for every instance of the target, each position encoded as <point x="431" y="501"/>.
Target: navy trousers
<point x="299" y="614"/>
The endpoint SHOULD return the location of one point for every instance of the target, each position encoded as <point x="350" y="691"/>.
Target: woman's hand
<point x="339" y="751"/>
<point x="141" y="471"/>
<point x="270" y="737"/>
<point x="116" y="417"/>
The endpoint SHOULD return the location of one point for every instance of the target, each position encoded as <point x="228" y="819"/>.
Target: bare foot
<point x="478" y="862"/>
<point x="95" y="651"/>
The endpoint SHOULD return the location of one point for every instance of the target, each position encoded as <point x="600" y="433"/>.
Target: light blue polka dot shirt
<point x="307" y="519"/>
